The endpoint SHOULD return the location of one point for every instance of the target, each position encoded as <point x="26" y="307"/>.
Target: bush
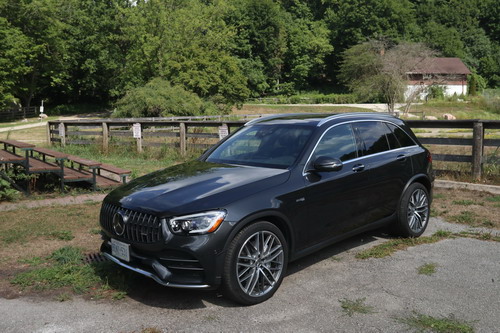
<point x="436" y="92"/>
<point x="159" y="98"/>
<point x="492" y="100"/>
<point x="312" y="99"/>
<point x="70" y="109"/>
<point x="7" y="193"/>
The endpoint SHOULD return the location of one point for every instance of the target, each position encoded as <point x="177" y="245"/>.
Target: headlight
<point x="201" y="223"/>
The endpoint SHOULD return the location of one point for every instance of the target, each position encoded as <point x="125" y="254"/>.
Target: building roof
<point x="441" y="66"/>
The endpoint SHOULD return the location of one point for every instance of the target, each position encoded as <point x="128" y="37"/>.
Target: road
<point x="466" y="285"/>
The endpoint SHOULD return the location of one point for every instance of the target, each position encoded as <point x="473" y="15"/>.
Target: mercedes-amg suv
<point x="277" y="189"/>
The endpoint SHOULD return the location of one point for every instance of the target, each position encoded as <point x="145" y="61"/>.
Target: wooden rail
<point x="198" y="133"/>
<point x="21" y="113"/>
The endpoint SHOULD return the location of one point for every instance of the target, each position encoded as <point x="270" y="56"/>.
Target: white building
<point x="449" y="73"/>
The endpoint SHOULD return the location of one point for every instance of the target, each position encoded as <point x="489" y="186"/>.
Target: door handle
<point x="401" y="158"/>
<point x="358" y="168"/>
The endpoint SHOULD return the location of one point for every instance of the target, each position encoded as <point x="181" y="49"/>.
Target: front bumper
<point x="157" y="266"/>
<point x="182" y="262"/>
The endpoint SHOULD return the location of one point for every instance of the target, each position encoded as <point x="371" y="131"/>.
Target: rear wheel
<point x="255" y="263"/>
<point x="414" y="211"/>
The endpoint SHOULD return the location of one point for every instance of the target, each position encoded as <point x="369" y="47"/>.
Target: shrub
<point x="159" y="98"/>
<point x="492" y="100"/>
<point x="436" y="92"/>
<point x="7" y="192"/>
<point x="70" y="109"/>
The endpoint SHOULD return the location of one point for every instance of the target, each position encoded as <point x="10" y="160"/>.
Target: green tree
<point x="307" y="46"/>
<point x="14" y="57"/>
<point x="355" y="21"/>
<point x="187" y="43"/>
<point x="260" y="39"/>
<point x="48" y="62"/>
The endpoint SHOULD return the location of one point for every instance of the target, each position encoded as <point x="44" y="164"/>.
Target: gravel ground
<point x="466" y="285"/>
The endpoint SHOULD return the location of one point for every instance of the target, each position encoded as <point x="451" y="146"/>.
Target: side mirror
<point x="327" y="164"/>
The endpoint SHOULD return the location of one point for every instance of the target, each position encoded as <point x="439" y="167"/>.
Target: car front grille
<point x="139" y="228"/>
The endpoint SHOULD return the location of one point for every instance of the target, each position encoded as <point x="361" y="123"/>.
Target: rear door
<point x="389" y="167"/>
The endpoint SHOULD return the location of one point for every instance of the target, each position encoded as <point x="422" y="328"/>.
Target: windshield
<point x="272" y="146"/>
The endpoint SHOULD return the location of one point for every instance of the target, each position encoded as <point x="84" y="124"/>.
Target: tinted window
<point x="373" y="137"/>
<point x="274" y="146"/>
<point x="338" y="142"/>
<point x="403" y="138"/>
<point x="391" y="138"/>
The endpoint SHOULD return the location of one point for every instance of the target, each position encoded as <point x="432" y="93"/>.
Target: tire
<point x="255" y="264"/>
<point x="413" y="211"/>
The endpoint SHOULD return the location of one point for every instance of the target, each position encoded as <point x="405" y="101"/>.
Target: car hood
<point x="194" y="186"/>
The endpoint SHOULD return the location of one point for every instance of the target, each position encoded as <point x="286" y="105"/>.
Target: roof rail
<point x="274" y="116"/>
<point x="351" y="114"/>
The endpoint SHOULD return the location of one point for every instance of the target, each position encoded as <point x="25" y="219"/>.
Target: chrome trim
<point x="154" y="277"/>
<point x="304" y="172"/>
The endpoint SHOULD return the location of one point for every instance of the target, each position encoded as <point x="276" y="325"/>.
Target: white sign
<point x="136" y="128"/>
<point x="223" y="132"/>
<point x="61" y="129"/>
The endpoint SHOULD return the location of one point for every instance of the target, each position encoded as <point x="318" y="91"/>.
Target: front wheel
<point x="255" y="263"/>
<point x="414" y="211"/>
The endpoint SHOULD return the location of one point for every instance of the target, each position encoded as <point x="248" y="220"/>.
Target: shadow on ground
<point x="150" y="293"/>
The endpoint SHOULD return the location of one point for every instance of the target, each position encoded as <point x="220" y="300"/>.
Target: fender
<point x="428" y="183"/>
<point x="262" y="215"/>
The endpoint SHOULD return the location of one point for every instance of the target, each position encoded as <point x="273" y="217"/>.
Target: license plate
<point x="120" y="250"/>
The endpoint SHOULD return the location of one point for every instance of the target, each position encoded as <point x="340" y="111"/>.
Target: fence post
<point x="62" y="133"/>
<point x="105" y="137"/>
<point x="477" y="149"/>
<point x="49" y="138"/>
<point x="182" y="138"/>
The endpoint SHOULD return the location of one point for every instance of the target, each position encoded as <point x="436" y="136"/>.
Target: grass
<point x="467" y="203"/>
<point x="465" y="217"/>
<point x="397" y="244"/>
<point x="350" y="307"/>
<point x="476" y="209"/>
<point x="461" y="110"/>
<point x="64" y="268"/>
<point x="496" y="198"/>
<point x="30" y="121"/>
<point x="388" y="248"/>
<point x="427" y="269"/>
<point x="424" y="323"/>
<point x="56" y="222"/>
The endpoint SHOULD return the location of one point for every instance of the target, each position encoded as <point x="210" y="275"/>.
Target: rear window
<point x="403" y="138"/>
<point x="373" y="136"/>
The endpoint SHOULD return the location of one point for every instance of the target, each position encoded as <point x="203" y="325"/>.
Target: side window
<point x="391" y="137"/>
<point x="403" y="138"/>
<point x="373" y="136"/>
<point x="338" y="142"/>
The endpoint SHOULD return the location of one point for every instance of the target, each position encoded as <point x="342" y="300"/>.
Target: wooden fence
<point x="201" y="134"/>
<point x="22" y="113"/>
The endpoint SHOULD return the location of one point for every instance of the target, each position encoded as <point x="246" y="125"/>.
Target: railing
<point x="471" y="146"/>
<point x="472" y="137"/>
<point x="22" y="113"/>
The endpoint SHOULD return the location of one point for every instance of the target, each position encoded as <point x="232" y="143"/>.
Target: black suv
<point x="277" y="189"/>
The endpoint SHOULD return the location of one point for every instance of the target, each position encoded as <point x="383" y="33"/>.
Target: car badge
<point x="119" y="221"/>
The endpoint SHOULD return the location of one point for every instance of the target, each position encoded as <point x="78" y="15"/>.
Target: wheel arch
<point x="274" y="217"/>
<point x="422" y="179"/>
